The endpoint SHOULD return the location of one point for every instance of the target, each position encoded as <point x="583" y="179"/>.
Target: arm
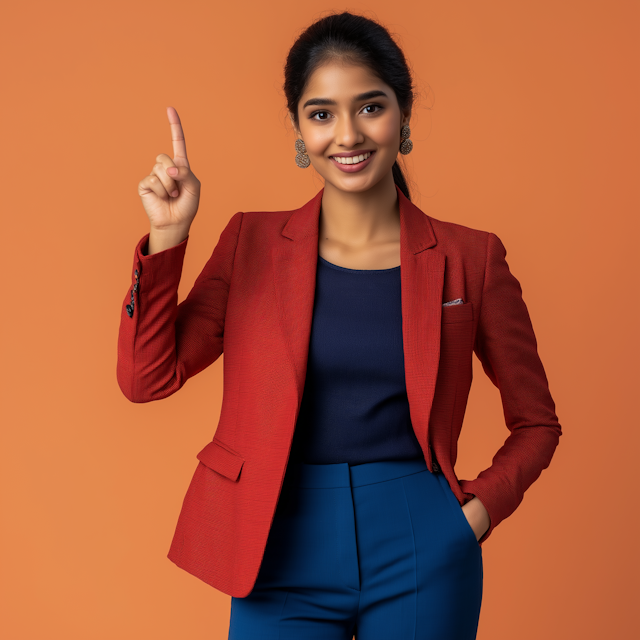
<point x="507" y="348"/>
<point x="164" y="343"/>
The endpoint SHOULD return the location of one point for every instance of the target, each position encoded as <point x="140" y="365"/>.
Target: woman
<point x="349" y="323"/>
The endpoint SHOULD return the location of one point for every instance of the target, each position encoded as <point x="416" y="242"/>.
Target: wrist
<point x="165" y="238"/>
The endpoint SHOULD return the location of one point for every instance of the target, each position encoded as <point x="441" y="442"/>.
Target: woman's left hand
<point x="478" y="516"/>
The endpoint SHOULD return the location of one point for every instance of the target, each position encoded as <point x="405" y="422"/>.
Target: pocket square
<point x="456" y="301"/>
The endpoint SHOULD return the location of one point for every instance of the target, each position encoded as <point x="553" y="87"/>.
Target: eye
<point x="315" y="113"/>
<point x="371" y="106"/>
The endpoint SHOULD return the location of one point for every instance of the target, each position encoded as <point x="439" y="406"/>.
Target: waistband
<point x="327" y="476"/>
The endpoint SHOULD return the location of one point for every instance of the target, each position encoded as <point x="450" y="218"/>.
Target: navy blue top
<point x="355" y="407"/>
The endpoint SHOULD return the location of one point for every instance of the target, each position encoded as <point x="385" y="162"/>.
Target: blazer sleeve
<point x="163" y="343"/>
<point x="507" y="348"/>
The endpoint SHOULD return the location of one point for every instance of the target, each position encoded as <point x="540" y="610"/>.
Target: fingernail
<point x="172" y="171"/>
<point x="175" y="194"/>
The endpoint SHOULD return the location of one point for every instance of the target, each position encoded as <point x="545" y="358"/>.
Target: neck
<point x="356" y="219"/>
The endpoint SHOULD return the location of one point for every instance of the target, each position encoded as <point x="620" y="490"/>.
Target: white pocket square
<point x="456" y="301"/>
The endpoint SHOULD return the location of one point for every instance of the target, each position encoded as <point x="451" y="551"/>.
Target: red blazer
<point x="254" y="301"/>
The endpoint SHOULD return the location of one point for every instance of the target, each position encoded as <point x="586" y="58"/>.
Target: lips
<point x="350" y="154"/>
<point x="352" y="168"/>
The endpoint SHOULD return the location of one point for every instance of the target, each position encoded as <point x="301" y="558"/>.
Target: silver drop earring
<point x="405" y="144"/>
<point x="302" y="158"/>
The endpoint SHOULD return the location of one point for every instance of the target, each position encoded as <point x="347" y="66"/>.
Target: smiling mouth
<point x="353" y="159"/>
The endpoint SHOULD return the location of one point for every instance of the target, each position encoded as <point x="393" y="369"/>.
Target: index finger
<point x="177" y="136"/>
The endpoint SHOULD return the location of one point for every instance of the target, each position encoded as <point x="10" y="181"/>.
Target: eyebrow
<point x="361" y="96"/>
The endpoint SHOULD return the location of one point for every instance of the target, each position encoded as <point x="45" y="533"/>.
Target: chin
<point x="351" y="188"/>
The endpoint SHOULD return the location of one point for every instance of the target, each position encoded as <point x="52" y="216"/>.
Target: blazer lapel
<point x="295" y="261"/>
<point x="422" y="279"/>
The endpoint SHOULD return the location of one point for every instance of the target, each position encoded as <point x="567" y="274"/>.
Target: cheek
<point x="317" y="141"/>
<point x="383" y="132"/>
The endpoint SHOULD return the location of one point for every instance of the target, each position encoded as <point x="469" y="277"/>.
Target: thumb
<point x="182" y="174"/>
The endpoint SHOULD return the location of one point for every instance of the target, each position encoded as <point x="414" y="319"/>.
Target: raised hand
<point x="170" y="201"/>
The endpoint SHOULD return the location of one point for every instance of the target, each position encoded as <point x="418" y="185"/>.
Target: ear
<point x="406" y="117"/>
<point x="295" y="128"/>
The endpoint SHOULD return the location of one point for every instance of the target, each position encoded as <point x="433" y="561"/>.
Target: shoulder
<point x="266" y="219"/>
<point x="265" y="224"/>
<point x="258" y="230"/>
<point x="454" y="239"/>
<point x="448" y="230"/>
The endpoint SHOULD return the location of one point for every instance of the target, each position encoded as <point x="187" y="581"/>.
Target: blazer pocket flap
<point x="457" y="313"/>
<point x="221" y="459"/>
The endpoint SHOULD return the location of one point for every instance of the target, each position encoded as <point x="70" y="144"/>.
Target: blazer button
<point x="434" y="463"/>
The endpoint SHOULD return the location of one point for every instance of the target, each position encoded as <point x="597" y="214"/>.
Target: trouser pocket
<point x="458" y="513"/>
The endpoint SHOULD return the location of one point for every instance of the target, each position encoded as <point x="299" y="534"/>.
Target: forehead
<point x="341" y="81"/>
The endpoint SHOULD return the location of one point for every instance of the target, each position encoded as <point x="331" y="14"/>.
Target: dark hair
<point x="352" y="38"/>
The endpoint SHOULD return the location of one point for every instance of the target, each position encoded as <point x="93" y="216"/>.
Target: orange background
<point x="526" y="125"/>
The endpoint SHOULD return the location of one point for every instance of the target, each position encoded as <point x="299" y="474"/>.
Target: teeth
<point x="352" y="159"/>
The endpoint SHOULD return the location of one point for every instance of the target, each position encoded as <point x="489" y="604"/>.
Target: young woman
<point x="327" y="503"/>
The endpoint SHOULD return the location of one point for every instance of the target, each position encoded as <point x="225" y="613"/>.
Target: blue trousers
<point x="378" y="551"/>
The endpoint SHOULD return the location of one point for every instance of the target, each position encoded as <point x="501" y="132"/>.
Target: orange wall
<point x="527" y="126"/>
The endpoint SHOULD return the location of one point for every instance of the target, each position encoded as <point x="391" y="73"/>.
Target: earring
<point x="302" y="158"/>
<point x="405" y="144"/>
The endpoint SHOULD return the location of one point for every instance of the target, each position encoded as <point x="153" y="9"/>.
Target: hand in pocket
<point x="477" y="516"/>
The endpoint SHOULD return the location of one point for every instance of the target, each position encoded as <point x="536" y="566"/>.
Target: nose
<point x="347" y="134"/>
